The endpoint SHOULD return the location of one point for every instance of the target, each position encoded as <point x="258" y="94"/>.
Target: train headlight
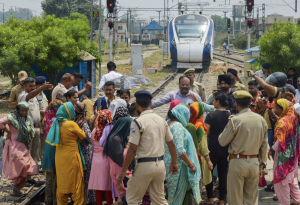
<point x="206" y="43"/>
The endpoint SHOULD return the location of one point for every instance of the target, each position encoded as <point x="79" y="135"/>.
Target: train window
<point x="191" y="26"/>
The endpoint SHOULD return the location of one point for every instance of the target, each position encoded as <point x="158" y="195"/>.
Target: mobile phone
<point x="248" y="73"/>
<point x="290" y="81"/>
<point x="286" y="89"/>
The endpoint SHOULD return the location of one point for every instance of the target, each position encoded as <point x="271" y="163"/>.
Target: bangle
<point x="191" y="166"/>
<point x="207" y="158"/>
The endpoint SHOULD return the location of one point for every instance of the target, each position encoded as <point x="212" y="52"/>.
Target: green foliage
<point x="48" y="42"/>
<point x="280" y="46"/>
<point x="65" y="8"/>
<point x="220" y="24"/>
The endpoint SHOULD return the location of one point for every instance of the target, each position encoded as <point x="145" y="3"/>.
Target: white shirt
<point x="261" y="75"/>
<point x="34" y="108"/>
<point x="297" y="108"/>
<point x="108" y="77"/>
<point x="74" y="88"/>
<point x="297" y="95"/>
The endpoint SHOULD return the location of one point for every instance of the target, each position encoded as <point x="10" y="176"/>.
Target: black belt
<point x="150" y="159"/>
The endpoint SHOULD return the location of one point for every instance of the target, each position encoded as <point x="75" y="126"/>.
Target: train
<point x="136" y="38"/>
<point x="146" y="39"/>
<point x="191" y="41"/>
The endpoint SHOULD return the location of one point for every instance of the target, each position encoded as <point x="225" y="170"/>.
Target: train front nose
<point x="190" y="53"/>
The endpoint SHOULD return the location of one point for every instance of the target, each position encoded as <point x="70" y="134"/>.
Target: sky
<point x="272" y="6"/>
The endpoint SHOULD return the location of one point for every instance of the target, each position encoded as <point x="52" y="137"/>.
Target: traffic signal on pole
<point x="228" y="22"/>
<point x="249" y="23"/>
<point x="250" y="4"/>
<point x="111" y="5"/>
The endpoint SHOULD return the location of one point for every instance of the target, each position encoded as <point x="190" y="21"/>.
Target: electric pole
<point x="100" y="39"/>
<point x="158" y="17"/>
<point x="92" y="16"/>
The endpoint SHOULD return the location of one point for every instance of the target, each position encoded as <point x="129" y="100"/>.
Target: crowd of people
<point x="123" y="153"/>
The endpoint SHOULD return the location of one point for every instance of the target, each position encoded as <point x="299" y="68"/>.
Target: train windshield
<point x="191" y="26"/>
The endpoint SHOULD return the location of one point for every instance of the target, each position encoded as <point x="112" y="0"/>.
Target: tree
<point x="64" y="8"/>
<point x="52" y="44"/>
<point x="280" y="46"/>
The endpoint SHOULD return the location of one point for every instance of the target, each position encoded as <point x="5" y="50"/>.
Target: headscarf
<point x="25" y="127"/>
<point x="197" y="115"/>
<point x="117" y="139"/>
<point x="288" y="136"/>
<point x="174" y="103"/>
<point x="80" y="114"/>
<point x="182" y="114"/>
<point x="115" y="104"/>
<point x="120" y="112"/>
<point x="65" y="112"/>
<point x="50" y="115"/>
<point x="104" y="117"/>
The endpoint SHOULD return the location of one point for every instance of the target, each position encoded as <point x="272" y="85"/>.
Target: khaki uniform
<point x="148" y="175"/>
<point x="15" y="92"/>
<point x="60" y="89"/>
<point x="200" y="90"/>
<point x="43" y="103"/>
<point x="34" y="113"/>
<point x="247" y="134"/>
<point x="238" y="86"/>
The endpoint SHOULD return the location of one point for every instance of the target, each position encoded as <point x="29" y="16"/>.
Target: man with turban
<point x="264" y="72"/>
<point x="235" y="81"/>
<point x="225" y="82"/>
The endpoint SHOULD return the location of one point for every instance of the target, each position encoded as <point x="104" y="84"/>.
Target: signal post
<point x="110" y="15"/>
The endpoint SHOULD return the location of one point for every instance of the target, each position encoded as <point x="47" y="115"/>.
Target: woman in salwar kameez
<point x="86" y="148"/>
<point x="189" y="173"/>
<point x="287" y="150"/>
<point x="17" y="162"/>
<point x="48" y="163"/>
<point x="69" y="161"/>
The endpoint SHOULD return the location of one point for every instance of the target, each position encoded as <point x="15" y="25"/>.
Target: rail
<point x="233" y="61"/>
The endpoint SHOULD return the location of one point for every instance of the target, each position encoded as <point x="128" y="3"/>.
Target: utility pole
<point x="114" y="33"/>
<point x="158" y="17"/>
<point x="92" y="9"/>
<point x="165" y="20"/>
<point x="263" y="19"/>
<point x="179" y="7"/>
<point x="127" y="29"/>
<point x="257" y="25"/>
<point x="130" y="27"/>
<point x="100" y="37"/>
<point x="3" y="12"/>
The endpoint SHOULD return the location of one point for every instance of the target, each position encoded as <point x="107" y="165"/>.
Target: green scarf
<point x="25" y="128"/>
<point x="65" y="112"/>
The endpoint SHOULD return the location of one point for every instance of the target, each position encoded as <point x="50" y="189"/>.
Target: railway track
<point x="38" y="196"/>
<point x="120" y="52"/>
<point x="228" y="59"/>
<point x="232" y="52"/>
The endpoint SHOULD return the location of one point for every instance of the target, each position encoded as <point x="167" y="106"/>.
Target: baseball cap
<point x="22" y="75"/>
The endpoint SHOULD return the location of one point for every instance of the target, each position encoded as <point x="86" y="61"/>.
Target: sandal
<point x="270" y="188"/>
<point x="275" y="198"/>
<point x="16" y="192"/>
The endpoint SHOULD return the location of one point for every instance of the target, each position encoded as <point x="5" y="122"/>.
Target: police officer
<point x="43" y="103"/>
<point x="235" y="80"/>
<point x="196" y="86"/>
<point x="247" y="137"/>
<point x="17" y="90"/>
<point x="148" y="134"/>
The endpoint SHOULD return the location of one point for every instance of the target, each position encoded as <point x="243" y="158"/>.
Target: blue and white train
<point x="191" y="41"/>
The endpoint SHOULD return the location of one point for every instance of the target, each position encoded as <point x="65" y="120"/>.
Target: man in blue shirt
<point x="184" y="95"/>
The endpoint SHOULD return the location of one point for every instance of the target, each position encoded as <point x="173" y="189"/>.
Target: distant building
<point x="121" y="31"/>
<point x="270" y="19"/>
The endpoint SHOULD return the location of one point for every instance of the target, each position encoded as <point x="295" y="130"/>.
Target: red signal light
<point x="250" y="3"/>
<point x="110" y="4"/>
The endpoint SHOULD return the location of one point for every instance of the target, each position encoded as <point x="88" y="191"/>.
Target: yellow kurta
<point x="68" y="163"/>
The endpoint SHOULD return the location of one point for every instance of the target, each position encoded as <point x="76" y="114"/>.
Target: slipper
<point x="270" y="188"/>
<point x="275" y="198"/>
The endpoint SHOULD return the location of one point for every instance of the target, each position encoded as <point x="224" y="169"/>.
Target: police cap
<point x="40" y="80"/>
<point x="191" y="70"/>
<point x="242" y="94"/>
<point x="143" y="94"/>
<point x="22" y="75"/>
<point x="266" y="66"/>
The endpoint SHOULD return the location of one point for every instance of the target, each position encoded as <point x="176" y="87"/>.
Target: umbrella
<point x="130" y="81"/>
